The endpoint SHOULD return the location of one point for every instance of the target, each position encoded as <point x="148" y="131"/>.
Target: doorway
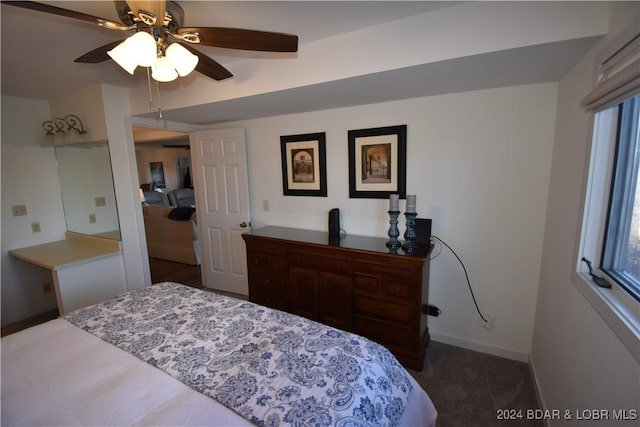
<point x="163" y="156"/>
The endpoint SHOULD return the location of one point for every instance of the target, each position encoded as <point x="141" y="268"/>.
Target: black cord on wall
<point x="466" y="275"/>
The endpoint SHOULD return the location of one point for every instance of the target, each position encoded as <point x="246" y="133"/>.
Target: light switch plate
<point x="92" y="218"/>
<point x="100" y="201"/>
<point x="19" y="210"/>
<point x="35" y="227"/>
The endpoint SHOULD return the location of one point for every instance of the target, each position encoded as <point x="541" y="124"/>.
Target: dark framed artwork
<point x="157" y="175"/>
<point x="304" y="164"/>
<point x="377" y="162"/>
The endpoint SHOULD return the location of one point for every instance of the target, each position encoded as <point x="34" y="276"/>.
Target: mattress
<point x="60" y="374"/>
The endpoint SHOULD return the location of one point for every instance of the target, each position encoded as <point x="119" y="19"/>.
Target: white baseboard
<point x="536" y="387"/>
<point x="482" y="348"/>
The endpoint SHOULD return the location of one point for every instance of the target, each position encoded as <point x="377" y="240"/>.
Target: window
<point x="610" y="235"/>
<point x="621" y="248"/>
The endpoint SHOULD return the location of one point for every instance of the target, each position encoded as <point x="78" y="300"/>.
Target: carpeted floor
<point x="467" y="388"/>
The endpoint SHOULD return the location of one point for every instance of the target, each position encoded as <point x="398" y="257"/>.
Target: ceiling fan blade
<point x="237" y="38"/>
<point x="208" y="66"/>
<point x="41" y="7"/>
<point x="99" y="54"/>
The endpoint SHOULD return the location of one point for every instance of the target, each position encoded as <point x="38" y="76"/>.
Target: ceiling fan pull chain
<point x="151" y="106"/>
<point x="158" y="103"/>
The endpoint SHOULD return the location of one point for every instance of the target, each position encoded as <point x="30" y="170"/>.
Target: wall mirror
<point x="88" y="194"/>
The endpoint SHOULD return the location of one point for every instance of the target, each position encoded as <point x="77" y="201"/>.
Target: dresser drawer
<point x="378" y="308"/>
<point x="398" y="271"/>
<point x="261" y="261"/>
<point x="380" y="286"/>
<point x="268" y="282"/>
<point x="277" y="301"/>
<point x="366" y="283"/>
<point x="269" y="246"/>
<point x="397" y="289"/>
<point x="384" y="333"/>
<point x="320" y="262"/>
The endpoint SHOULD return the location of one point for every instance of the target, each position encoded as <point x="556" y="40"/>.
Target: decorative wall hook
<point x="69" y="123"/>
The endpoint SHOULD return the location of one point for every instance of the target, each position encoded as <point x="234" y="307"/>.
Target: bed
<point x="169" y="354"/>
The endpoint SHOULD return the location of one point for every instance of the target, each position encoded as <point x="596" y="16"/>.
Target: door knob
<point x="244" y="224"/>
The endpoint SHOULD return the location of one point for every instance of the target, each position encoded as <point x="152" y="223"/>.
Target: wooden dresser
<point x="355" y="284"/>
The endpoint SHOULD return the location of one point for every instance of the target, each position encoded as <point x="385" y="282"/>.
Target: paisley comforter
<point x="271" y="367"/>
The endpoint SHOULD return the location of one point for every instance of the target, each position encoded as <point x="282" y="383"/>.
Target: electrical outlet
<point x="101" y="201"/>
<point x="92" y="218"/>
<point x="35" y="227"/>
<point x="19" y="210"/>
<point x="489" y="323"/>
<point x="265" y="205"/>
<point x="46" y="287"/>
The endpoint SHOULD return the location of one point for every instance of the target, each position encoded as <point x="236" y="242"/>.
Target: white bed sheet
<point x="58" y="374"/>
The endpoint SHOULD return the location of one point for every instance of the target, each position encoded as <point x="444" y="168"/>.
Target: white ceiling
<point x="38" y="51"/>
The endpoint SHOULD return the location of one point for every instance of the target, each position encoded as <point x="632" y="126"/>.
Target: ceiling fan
<point x="163" y="21"/>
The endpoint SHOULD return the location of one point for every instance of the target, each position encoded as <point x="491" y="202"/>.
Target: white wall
<point x="479" y="164"/>
<point x="22" y="120"/>
<point x="87" y="104"/>
<point x="28" y="177"/>
<point x="168" y="157"/>
<point x="126" y="185"/>
<point x="577" y="360"/>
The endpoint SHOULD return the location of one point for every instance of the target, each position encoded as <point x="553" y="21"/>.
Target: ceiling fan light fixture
<point x="162" y="70"/>
<point x="123" y="58"/>
<point x="142" y="47"/>
<point x="158" y="21"/>
<point x="181" y="59"/>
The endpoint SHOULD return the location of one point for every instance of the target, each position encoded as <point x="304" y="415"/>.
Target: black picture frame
<point x="377" y="162"/>
<point x="304" y="164"/>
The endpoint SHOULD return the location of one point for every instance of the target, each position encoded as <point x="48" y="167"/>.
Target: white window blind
<point x="618" y="78"/>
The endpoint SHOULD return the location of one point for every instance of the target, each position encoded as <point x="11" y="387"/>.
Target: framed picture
<point x="377" y="162"/>
<point x="304" y="164"/>
<point x="157" y="174"/>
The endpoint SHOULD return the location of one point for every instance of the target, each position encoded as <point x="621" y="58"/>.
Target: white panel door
<point x="219" y="163"/>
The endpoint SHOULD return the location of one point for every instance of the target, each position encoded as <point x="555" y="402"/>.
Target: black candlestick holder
<point x="410" y="233"/>
<point x="393" y="232"/>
